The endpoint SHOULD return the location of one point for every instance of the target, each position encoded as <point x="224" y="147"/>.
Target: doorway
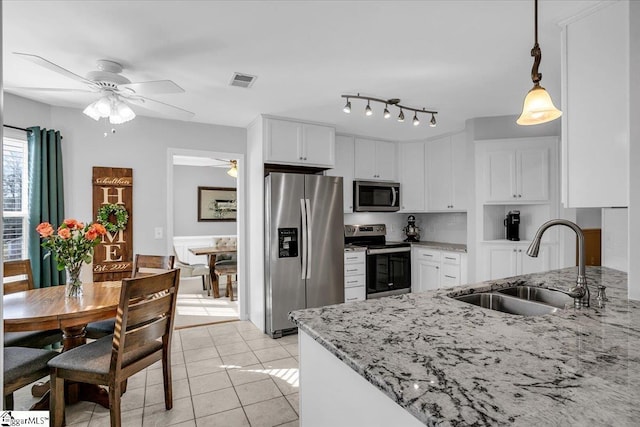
<point x="188" y="172"/>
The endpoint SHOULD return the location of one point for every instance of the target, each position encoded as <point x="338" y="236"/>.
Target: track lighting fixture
<point x="347" y="107"/>
<point x="368" y="111"/>
<point x="538" y="107"/>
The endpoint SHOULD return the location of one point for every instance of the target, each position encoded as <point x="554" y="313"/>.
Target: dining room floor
<point x="195" y="307"/>
<point x="228" y="374"/>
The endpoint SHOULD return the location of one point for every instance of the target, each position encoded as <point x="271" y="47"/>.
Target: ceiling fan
<point x="115" y="90"/>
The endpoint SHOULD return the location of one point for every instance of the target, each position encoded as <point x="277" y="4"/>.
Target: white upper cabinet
<point x="516" y="173"/>
<point x="446" y="160"/>
<point x="345" y="155"/>
<point x="299" y="143"/>
<point x="412" y="176"/>
<point x="596" y="110"/>
<point x="375" y="160"/>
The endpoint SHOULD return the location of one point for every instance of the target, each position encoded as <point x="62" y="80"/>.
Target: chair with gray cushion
<point x="21" y="279"/>
<point x="22" y="366"/>
<point x="143" y="265"/>
<point x="194" y="270"/>
<point x="143" y="332"/>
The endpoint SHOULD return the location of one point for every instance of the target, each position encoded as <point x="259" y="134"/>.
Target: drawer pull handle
<point x="352" y="299"/>
<point x="352" y="257"/>
<point x="450" y="277"/>
<point x="448" y="257"/>
<point x="352" y="281"/>
<point x="429" y="255"/>
<point x="351" y="271"/>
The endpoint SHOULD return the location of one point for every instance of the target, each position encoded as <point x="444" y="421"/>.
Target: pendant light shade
<point x="538" y="107"/>
<point x="233" y="171"/>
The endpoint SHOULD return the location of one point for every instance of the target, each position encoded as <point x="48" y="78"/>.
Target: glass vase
<point x="74" y="284"/>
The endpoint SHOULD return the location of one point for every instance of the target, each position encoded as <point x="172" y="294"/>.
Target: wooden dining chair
<point x="21" y="279"/>
<point x="21" y="367"/>
<point x="143" y="332"/>
<point x="143" y="265"/>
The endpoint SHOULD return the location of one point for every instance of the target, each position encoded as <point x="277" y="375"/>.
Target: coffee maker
<point x="411" y="230"/>
<point x="512" y="224"/>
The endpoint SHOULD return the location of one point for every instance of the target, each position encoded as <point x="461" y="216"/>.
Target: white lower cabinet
<point x="433" y="269"/>
<point x="511" y="259"/>
<point x="355" y="275"/>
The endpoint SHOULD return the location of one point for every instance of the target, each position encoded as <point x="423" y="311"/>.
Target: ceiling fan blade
<point x="154" y="87"/>
<point x="53" y="67"/>
<point x="49" y="89"/>
<point x="161" y="107"/>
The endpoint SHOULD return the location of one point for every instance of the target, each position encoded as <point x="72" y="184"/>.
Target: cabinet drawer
<point x="354" y="269"/>
<point x="449" y="275"/>
<point x="428" y="255"/>
<point x="450" y="258"/>
<point x="355" y="294"/>
<point x="351" y="281"/>
<point x="354" y="257"/>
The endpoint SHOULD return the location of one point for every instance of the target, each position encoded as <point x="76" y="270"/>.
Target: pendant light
<point x="538" y="107"/>
<point x="234" y="169"/>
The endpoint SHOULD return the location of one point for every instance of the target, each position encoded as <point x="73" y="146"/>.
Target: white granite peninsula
<point x="427" y="359"/>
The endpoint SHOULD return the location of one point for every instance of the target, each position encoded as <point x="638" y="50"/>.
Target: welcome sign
<point x="113" y="207"/>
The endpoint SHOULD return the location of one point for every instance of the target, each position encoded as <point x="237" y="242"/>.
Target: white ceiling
<point x="463" y="58"/>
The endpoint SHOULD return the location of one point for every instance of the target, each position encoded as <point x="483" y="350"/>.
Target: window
<point x="15" y="196"/>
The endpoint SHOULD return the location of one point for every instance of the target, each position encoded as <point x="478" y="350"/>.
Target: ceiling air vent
<point x="242" y="80"/>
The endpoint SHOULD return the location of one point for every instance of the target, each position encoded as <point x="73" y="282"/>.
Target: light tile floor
<point x="228" y="375"/>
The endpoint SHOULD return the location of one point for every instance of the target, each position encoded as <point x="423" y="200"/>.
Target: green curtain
<point x="46" y="200"/>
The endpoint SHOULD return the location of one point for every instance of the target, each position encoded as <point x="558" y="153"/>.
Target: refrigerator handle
<point x="303" y="238"/>
<point x="309" y="244"/>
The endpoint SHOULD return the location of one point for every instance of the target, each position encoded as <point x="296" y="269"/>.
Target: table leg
<point x="72" y="337"/>
<point x="215" y="283"/>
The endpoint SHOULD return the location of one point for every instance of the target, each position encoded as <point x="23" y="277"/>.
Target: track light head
<point x="347" y="107"/>
<point x="416" y="122"/>
<point x="432" y="122"/>
<point x="386" y="114"/>
<point x="367" y="111"/>
<point x="401" y="116"/>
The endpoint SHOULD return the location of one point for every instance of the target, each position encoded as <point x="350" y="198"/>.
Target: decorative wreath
<point x="122" y="217"/>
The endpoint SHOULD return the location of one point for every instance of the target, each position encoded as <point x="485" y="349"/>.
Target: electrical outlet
<point x="158" y="232"/>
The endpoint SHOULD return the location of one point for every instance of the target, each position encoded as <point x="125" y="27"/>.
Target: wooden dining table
<point x="49" y="308"/>
<point x="212" y="252"/>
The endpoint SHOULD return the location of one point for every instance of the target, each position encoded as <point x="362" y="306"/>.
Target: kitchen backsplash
<point x="437" y="227"/>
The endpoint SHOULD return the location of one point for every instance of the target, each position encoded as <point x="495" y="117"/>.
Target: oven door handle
<point x="387" y="250"/>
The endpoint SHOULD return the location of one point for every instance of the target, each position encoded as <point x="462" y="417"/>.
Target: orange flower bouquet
<point x="71" y="245"/>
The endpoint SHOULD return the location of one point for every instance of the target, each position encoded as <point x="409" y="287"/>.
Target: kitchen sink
<point x="507" y="304"/>
<point x="546" y="296"/>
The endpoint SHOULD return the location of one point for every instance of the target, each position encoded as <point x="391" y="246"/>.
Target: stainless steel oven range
<point x="388" y="263"/>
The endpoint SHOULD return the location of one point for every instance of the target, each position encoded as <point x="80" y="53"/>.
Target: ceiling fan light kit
<point x="110" y="106"/>
<point x="538" y="107"/>
<point x="368" y="111"/>
<point x="233" y="171"/>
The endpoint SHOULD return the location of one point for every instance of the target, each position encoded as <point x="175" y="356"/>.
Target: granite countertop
<point x="452" y="363"/>
<point x="453" y="247"/>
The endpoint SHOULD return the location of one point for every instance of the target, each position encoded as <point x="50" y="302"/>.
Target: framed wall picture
<point x="217" y="204"/>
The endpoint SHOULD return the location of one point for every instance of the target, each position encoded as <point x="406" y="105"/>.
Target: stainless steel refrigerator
<point x="304" y="253"/>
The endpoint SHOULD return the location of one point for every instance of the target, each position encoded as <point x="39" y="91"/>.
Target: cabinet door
<point x="529" y="264"/>
<point x="365" y="159"/>
<point x="502" y="261"/>
<point x="439" y="173"/>
<point x="284" y="142"/>
<point x="318" y="145"/>
<point x="428" y="275"/>
<point x="500" y="176"/>
<point x="533" y="174"/>
<point x="344" y="167"/>
<point x="386" y="160"/>
<point x="412" y="176"/>
<point x="459" y="171"/>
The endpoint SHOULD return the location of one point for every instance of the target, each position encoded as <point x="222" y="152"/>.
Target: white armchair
<point x="193" y="270"/>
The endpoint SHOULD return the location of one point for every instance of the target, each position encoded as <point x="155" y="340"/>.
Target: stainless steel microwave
<point x="371" y="196"/>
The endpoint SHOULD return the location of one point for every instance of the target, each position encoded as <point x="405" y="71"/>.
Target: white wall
<point x="186" y="180"/>
<point x="589" y="217"/>
<point x="634" y="150"/>
<point x="615" y="238"/>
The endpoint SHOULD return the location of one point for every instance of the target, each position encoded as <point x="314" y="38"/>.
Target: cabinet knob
<point x="437" y="268"/>
<point x="519" y="250"/>
<point x="514" y="250"/>
<point x="515" y="196"/>
<point x="304" y="158"/>
<point x="519" y="195"/>
<point x="300" y="158"/>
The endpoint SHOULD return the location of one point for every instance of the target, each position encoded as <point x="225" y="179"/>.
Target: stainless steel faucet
<point x="580" y="292"/>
